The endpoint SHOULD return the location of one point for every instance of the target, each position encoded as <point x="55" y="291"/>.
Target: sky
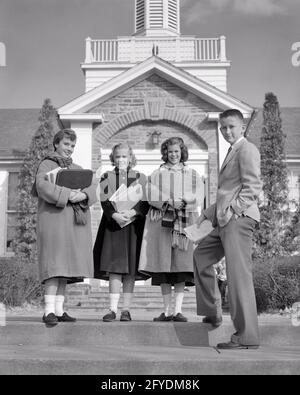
<point x="45" y="44"/>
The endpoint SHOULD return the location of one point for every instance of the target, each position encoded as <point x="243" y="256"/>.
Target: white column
<point x="88" y="50"/>
<point x="147" y="15"/>
<point x="165" y="14"/>
<point x="222" y="146"/>
<point x="178" y="17"/>
<point x="223" y="49"/>
<point x="178" y="49"/>
<point x="83" y="150"/>
<point x="3" y="207"/>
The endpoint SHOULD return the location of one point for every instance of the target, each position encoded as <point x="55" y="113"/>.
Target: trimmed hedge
<point x="276" y="282"/>
<point x="19" y="282"/>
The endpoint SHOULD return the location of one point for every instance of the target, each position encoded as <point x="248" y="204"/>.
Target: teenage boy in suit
<point x="234" y="217"/>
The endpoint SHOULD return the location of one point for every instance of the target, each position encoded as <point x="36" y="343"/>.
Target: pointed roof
<point x="153" y="65"/>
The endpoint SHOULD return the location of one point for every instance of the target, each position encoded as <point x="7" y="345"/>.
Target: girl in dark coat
<point x="117" y="246"/>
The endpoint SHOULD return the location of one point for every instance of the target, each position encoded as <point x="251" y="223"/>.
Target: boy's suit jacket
<point x="239" y="185"/>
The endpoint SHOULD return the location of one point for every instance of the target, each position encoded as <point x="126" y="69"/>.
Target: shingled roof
<point x="17" y="126"/>
<point x="290" y="117"/>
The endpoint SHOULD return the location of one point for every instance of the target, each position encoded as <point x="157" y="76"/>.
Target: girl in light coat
<point x="166" y="253"/>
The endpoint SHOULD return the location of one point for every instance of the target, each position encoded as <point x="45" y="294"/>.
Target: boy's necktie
<point x="228" y="152"/>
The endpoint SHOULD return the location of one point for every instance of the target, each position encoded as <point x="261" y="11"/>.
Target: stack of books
<point x="75" y="179"/>
<point x="51" y="175"/>
<point x="125" y="198"/>
<point x="196" y="233"/>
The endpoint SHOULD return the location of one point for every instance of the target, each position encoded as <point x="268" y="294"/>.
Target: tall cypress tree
<point x="275" y="179"/>
<point x="291" y="239"/>
<point x="41" y="144"/>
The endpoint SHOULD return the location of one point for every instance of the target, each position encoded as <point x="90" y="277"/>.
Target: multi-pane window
<point x="11" y="212"/>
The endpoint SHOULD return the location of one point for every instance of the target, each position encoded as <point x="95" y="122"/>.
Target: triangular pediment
<point x="153" y="65"/>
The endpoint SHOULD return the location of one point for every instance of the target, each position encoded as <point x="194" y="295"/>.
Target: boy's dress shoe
<point x="125" y="316"/>
<point x="214" y="320"/>
<point x="50" y="319"/>
<point x="163" y="317"/>
<point x="179" y="318"/>
<point x="236" y="346"/>
<point x="109" y="317"/>
<point x="65" y="318"/>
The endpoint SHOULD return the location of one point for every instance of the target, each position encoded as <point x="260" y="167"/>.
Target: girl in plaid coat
<point x="166" y="253"/>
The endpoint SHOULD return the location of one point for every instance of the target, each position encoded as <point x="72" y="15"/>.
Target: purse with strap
<point x="168" y="217"/>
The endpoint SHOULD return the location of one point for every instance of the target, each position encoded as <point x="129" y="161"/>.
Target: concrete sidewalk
<point x="141" y="346"/>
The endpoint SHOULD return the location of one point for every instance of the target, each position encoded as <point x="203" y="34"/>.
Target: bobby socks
<point x="59" y="305"/>
<point x="49" y="304"/>
<point x="167" y="303"/>
<point x="113" y="302"/>
<point x="178" y="302"/>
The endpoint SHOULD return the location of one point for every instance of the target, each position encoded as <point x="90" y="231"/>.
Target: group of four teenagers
<point x="130" y="245"/>
<point x="148" y="240"/>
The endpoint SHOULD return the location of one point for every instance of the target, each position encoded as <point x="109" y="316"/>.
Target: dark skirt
<point x="117" y="250"/>
<point x="70" y="280"/>
<point x="173" y="278"/>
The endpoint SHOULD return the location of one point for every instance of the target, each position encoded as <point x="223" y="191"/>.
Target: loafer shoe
<point x="236" y="346"/>
<point x="50" y="319"/>
<point x="215" y="320"/>
<point x="109" y="317"/>
<point x="163" y="317"/>
<point x="179" y="318"/>
<point x="65" y="318"/>
<point x="125" y="316"/>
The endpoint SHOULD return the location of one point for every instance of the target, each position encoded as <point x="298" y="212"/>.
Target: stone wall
<point x="155" y="104"/>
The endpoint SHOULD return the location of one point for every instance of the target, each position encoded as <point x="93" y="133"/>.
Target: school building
<point x="142" y="89"/>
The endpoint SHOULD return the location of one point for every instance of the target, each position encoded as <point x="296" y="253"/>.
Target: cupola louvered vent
<point x="173" y="14"/>
<point x="156" y="14"/>
<point x="140" y="14"/>
<point x="157" y="17"/>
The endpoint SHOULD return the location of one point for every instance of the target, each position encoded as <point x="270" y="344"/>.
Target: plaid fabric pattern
<point x="182" y="217"/>
<point x="179" y="238"/>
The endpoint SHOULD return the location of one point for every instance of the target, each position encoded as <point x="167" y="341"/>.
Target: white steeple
<point x="157" y="18"/>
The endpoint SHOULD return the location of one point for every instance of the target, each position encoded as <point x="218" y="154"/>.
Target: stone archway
<point x="154" y="110"/>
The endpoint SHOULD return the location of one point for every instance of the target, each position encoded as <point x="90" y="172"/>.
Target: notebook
<point x="196" y="234"/>
<point x="74" y="178"/>
<point x="126" y="198"/>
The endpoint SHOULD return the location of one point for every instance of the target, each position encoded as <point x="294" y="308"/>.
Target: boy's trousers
<point x="234" y="240"/>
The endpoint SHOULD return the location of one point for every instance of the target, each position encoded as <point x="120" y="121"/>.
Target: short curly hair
<point x="68" y="133"/>
<point x="132" y="158"/>
<point x="172" y="141"/>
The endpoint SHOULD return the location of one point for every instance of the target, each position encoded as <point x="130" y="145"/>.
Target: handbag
<point x="168" y="217"/>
